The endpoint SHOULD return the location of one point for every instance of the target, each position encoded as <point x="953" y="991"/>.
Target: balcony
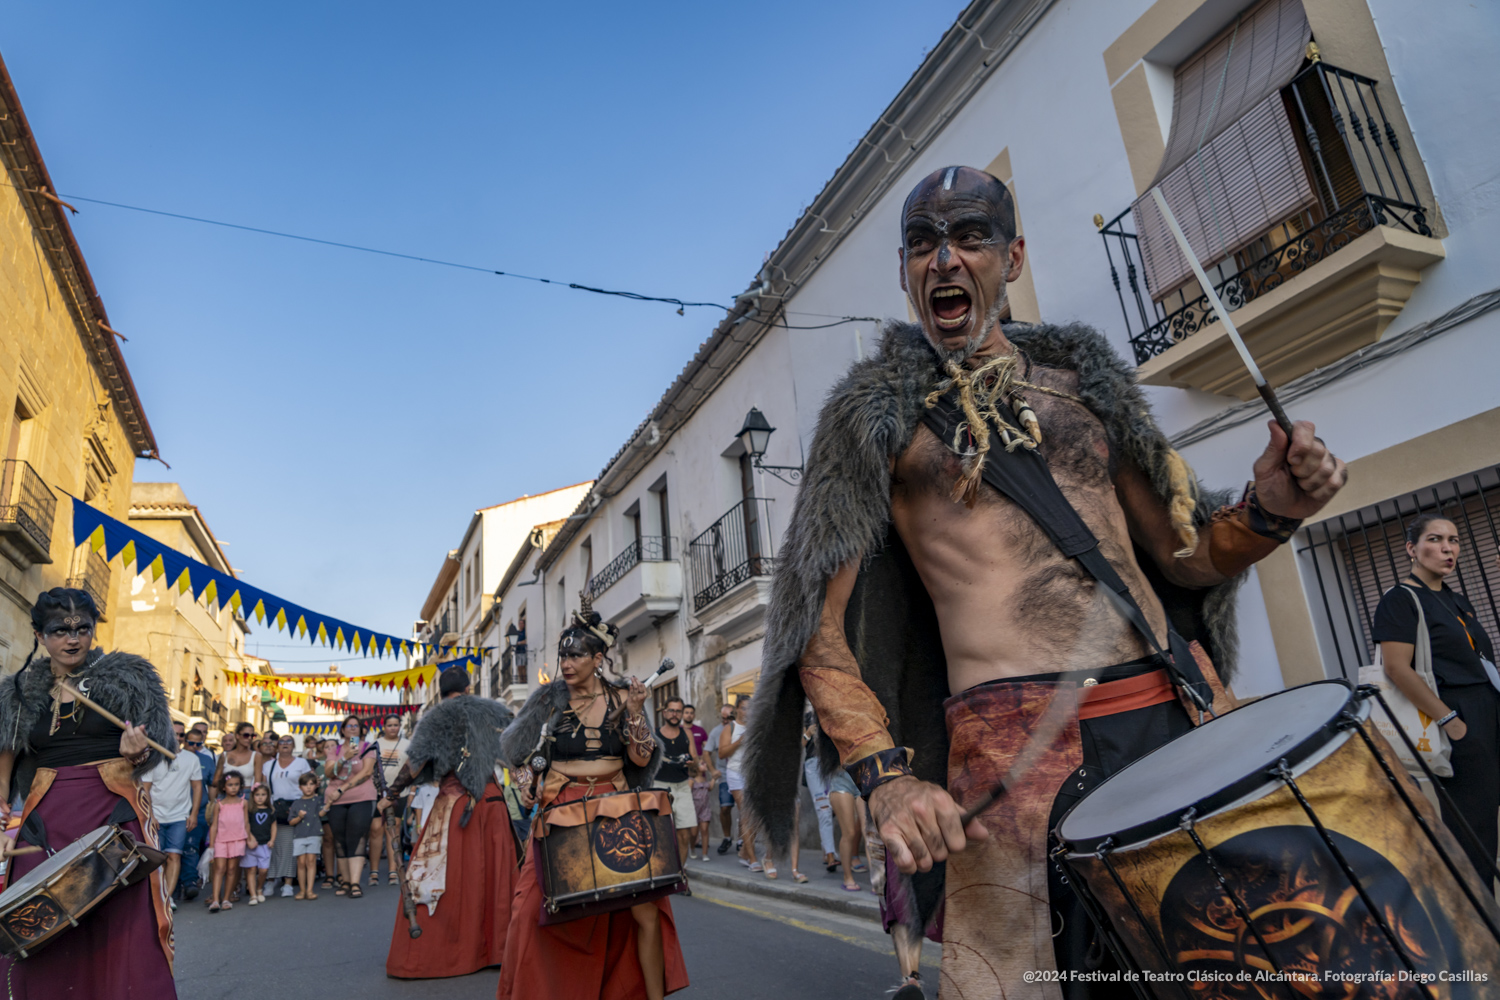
<point x="92" y="575"/>
<point x="26" y="510"/>
<point x="732" y="563"/>
<point x="1319" y="284"/>
<point x="640" y="586"/>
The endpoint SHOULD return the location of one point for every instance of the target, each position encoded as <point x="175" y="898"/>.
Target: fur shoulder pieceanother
<point x="547" y="704"/>
<point x="124" y="683"/>
<point x="461" y="736"/>
<point x="842" y="514"/>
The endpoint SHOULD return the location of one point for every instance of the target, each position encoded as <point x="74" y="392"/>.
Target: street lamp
<point x="755" y="437"/>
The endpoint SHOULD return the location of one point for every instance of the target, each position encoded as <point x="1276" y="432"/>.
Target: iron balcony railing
<point x="27" y="502"/>
<point x="92" y="575"/>
<point x="734" y="549"/>
<point x="1358" y="174"/>
<point x="512" y="667"/>
<point x="650" y="548"/>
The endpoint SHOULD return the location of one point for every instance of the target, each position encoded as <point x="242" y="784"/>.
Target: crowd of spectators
<point x="271" y="814"/>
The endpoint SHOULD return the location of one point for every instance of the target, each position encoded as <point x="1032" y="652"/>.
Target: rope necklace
<point x="981" y="391"/>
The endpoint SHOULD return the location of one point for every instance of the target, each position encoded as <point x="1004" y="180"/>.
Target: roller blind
<point x="1248" y="175"/>
<point x="1248" y="179"/>
<point x="1264" y="48"/>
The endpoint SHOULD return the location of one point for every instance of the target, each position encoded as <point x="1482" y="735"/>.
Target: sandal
<point x="374" y="879"/>
<point x="213" y="907"/>
<point x="853" y="888"/>
<point x="355" y="892"/>
<point x="768" y="869"/>
<point x="393" y="880"/>
<point x="754" y="866"/>
<point x="342" y="889"/>
<point x="327" y="882"/>
<point x="798" y="876"/>
<point x="226" y="905"/>
<point x="858" y="866"/>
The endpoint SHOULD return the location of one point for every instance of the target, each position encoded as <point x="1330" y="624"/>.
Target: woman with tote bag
<point x="1466" y="704"/>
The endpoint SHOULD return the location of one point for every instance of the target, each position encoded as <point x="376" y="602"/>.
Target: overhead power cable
<point x="681" y="304"/>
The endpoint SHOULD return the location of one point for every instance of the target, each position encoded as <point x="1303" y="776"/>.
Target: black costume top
<point x="1458" y="640"/>
<point x="83" y="736"/>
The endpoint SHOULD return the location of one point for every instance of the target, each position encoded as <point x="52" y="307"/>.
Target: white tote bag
<point x="1428" y="737"/>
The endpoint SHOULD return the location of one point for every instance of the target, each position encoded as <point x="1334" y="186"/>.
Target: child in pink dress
<point x="228" y="834"/>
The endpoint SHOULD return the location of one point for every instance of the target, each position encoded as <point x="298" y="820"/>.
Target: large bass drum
<point x="1282" y="851"/>
<point x="606" y="853"/>
<point x="56" y="894"/>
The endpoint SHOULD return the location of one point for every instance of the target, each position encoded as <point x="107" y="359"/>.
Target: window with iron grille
<point x="1356" y="557"/>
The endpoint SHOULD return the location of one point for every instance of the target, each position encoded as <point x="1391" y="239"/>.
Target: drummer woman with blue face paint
<point x="71" y="771"/>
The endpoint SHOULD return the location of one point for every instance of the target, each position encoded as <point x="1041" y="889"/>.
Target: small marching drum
<point x="607" y="852"/>
<point x="1281" y="851"/>
<point x="54" y="895"/>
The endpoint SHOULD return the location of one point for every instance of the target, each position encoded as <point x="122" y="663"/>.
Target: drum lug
<point x="1188" y="820"/>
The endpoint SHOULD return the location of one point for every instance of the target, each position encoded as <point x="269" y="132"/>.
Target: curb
<point x="865" y="907"/>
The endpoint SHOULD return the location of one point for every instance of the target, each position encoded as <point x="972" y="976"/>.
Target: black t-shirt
<point x="262" y="822"/>
<point x="83" y="736"/>
<point x="1457" y="638"/>
<point x="682" y="746"/>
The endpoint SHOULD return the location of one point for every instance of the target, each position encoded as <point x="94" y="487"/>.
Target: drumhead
<point x="41" y="873"/>
<point x="1208" y="768"/>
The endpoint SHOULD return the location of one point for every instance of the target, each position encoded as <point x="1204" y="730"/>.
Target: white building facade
<point x="1340" y="195"/>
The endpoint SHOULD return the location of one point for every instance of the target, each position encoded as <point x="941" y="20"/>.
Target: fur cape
<point x="545" y="703"/>
<point x="126" y="684"/>
<point x="460" y="736"/>
<point x="843" y="512"/>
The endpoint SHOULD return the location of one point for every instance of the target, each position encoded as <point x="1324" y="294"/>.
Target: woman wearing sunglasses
<point x="71" y="768"/>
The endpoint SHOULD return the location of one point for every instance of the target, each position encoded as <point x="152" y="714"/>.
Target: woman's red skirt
<point x="591" y="958"/>
<point x="119" y="949"/>
<point x="467" y="931"/>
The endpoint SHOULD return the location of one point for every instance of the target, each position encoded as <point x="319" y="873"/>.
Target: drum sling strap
<point x="1023" y="477"/>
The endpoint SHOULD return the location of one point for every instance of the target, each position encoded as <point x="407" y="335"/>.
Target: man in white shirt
<point x="176" y="789"/>
<point x="392" y="755"/>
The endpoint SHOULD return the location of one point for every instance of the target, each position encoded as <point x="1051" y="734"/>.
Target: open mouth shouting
<point x="951" y="306"/>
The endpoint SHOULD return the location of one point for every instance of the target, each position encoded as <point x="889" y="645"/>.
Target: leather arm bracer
<point x="1242" y="534"/>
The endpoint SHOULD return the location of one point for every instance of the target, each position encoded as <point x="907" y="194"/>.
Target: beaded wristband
<point x="869" y="773"/>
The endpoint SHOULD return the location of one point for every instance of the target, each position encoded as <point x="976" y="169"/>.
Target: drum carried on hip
<point x="54" y="895"/>
<point x="1282" y="851"/>
<point x="607" y="852"/>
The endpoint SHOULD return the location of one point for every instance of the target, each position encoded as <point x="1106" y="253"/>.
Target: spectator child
<point x="260" y="820"/>
<point x="228" y="833"/>
<point x="306" y="818"/>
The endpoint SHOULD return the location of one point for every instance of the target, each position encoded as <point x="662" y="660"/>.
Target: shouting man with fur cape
<point x="463" y="866"/>
<point x="932" y="609"/>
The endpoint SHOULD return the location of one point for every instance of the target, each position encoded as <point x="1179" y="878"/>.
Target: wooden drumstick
<point x="17" y="851"/>
<point x="112" y="717"/>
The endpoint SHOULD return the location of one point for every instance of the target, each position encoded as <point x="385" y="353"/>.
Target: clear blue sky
<point x="338" y="416"/>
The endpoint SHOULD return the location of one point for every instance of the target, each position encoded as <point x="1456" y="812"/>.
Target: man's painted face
<point x="958" y="251"/>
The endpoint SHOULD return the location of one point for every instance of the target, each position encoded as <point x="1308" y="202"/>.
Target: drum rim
<point x="104" y="835"/>
<point x="1240" y="787"/>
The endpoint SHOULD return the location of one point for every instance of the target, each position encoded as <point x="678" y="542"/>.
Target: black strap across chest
<point x="1023" y="477"/>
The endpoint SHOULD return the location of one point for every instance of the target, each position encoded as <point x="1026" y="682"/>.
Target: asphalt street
<point x="737" y="945"/>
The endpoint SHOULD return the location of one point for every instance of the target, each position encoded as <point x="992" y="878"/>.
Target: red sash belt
<point x="1124" y="695"/>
